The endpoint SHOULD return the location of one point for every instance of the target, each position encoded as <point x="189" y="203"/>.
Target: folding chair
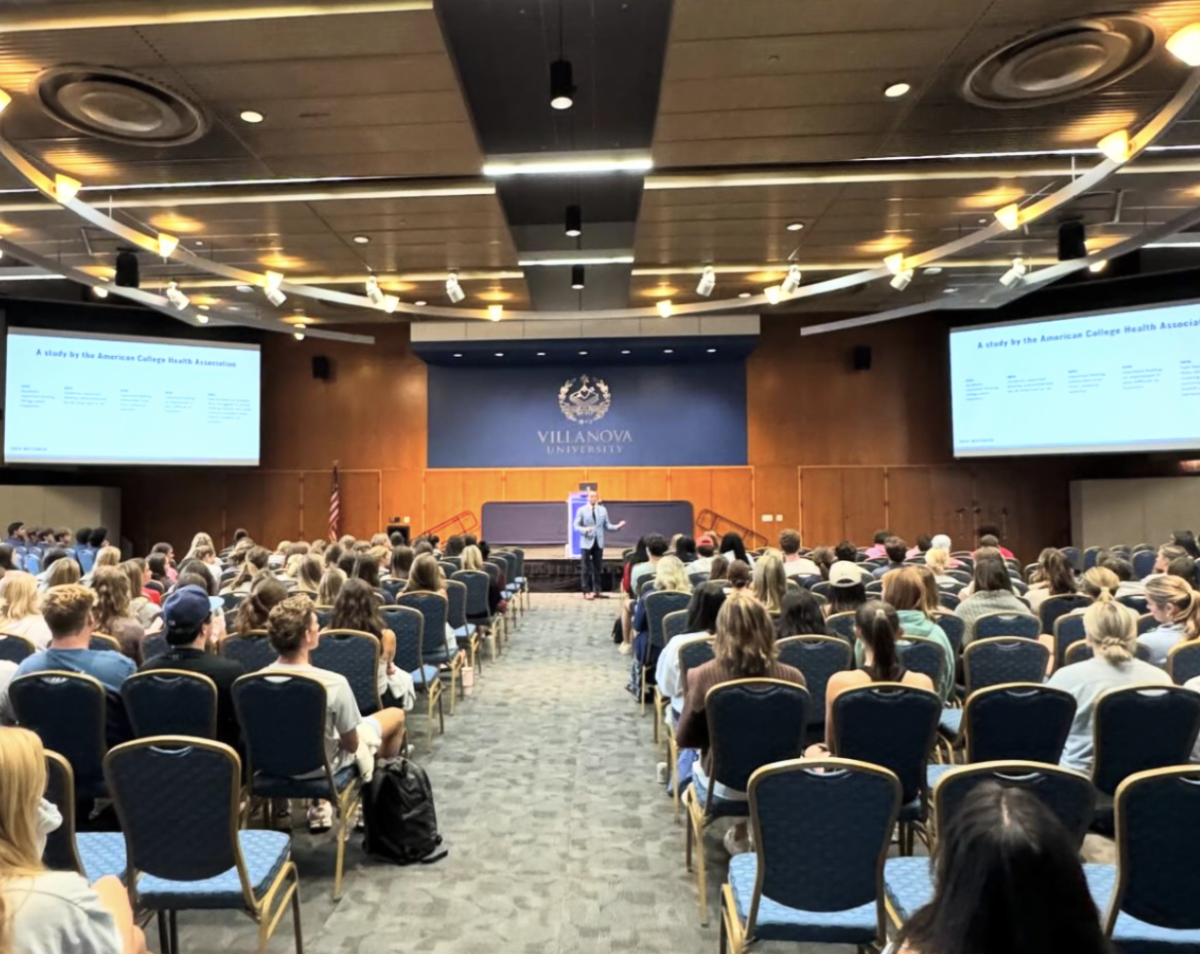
<point x="435" y="611"/>
<point x="409" y="626"/>
<point x="69" y="712"/>
<point x="252" y="649"/>
<point x="93" y="854"/>
<point x="693" y="653"/>
<point x="171" y="702"/>
<point x="658" y="605"/>
<point x="356" y="656"/>
<point x="15" y="648"/>
<point x="818" y="658"/>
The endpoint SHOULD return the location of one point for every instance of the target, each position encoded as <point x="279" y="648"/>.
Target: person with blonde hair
<point x="1101" y="584"/>
<point x="108" y="556"/>
<point x="1175" y="606"/>
<point x="198" y="541"/>
<point x="64" y="572"/>
<point x="19" y="615"/>
<point x="308" y="576"/>
<point x="670" y="576"/>
<point x="1112" y="637"/>
<point x="906" y="591"/>
<point x="331" y="585"/>
<point x="770" y="582"/>
<point x="938" y="560"/>
<point x="472" y="559"/>
<point x="46" y="912"/>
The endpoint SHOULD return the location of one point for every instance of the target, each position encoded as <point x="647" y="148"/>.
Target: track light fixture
<point x="574" y="221"/>
<point x="1116" y="146"/>
<point x="901" y="279"/>
<point x="298" y="334"/>
<point x="454" y="290"/>
<point x="167" y="244"/>
<point x="708" y="281"/>
<point x="202" y="317"/>
<point x="895" y="263"/>
<point x="792" y="282"/>
<point x="177" y="298"/>
<point x="99" y="291"/>
<point x="66" y="188"/>
<point x="577" y="282"/>
<point x="272" y="290"/>
<point x="5" y="99"/>
<point x="1015" y="273"/>
<point x="562" y="85"/>
<point x="1098" y="266"/>
<point x="1009" y="216"/>
<point x="495" y="312"/>
<point x="1185" y="44"/>
<point x="774" y="294"/>
<point x="374" y="293"/>
<point x="665" y="308"/>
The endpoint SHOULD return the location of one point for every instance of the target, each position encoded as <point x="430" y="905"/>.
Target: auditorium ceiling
<point x="360" y="139"/>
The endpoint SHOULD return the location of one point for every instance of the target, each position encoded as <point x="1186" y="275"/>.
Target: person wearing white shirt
<point x="706" y="549"/>
<point x="793" y="563"/>
<point x="705" y="604"/>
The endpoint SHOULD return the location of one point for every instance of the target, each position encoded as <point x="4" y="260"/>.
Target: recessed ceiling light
<point x="896" y="90"/>
<point x="499" y="354"/>
<point x="626" y="351"/>
<point x="934" y="270"/>
<point x="949" y="291"/>
<point x="668" y="350"/>
<point x="199" y="244"/>
<point x="743" y="294"/>
<point x="457" y="355"/>
<point x="795" y="226"/>
<point x="712" y="350"/>
<point x="362" y="239"/>
<point x="204" y="307"/>
<point x="420" y="303"/>
<point x="541" y="354"/>
<point x="583" y="352"/>
<point x="232" y="308"/>
<point x="245" y="289"/>
<point x="562" y="85"/>
<point x="252" y="116"/>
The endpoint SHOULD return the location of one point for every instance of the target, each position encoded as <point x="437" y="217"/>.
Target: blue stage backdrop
<point x="603" y="416"/>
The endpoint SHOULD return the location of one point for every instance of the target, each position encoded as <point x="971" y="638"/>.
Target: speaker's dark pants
<point x="592" y="566"/>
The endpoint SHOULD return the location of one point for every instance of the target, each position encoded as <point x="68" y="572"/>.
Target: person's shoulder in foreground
<point x="55" y="912"/>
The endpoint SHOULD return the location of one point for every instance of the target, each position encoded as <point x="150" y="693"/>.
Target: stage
<point x="548" y="571"/>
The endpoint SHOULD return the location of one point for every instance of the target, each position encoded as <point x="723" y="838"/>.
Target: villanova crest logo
<point x="584" y="400"/>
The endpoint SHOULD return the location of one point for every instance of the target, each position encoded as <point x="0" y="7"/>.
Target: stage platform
<point x="548" y="571"/>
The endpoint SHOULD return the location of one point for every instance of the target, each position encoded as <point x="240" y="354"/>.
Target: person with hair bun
<point x="1053" y="576"/>
<point x="1112" y="636"/>
<point x="253" y="612"/>
<point x="1175" y="606"/>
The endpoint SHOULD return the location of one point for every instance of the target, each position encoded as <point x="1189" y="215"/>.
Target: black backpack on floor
<point x="398" y="812"/>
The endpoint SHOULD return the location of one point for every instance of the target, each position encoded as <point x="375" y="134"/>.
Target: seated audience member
<point x="98" y="538"/>
<point x="1007" y="878"/>
<point x="733" y="548"/>
<point x="333" y="555"/>
<point x="348" y="564"/>
<point x="158" y="567"/>
<point x="1176" y="608"/>
<point x="706" y="550"/>
<point x="824" y="558"/>
<point x="68" y="611"/>
<point x="49" y="559"/>
<point x="670" y="576"/>
<point x="254" y="611"/>
<point x="472" y="559"/>
<point x="16" y="534"/>
<point x="1113" y="639"/>
<point x="113" y="612"/>
<point x="993" y="593"/>
<point x="1054" y="576"/>
<point x="740" y="576"/>
<point x="924" y="545"/>
<point x="47" y="912"/>
<point x="294" y="633"/>
<point x="878" y="548"/>
<point x="308" y="577"/>
<point x="770" y="582"/>
<point x="685" y="549"/>
<point x="719" y="570"/>
<point x="744" y="648"/>
<point x="635" y="557"/>
<point x="1185" y="568"/>
<point x="1101" y="585"/>
<point x="846" y="552"/>
<point x="990" y="530"/>
<point x="200" y="542"/>
<point x="168" y="552"/>
<point x="905" y="591"/>
<point x="145" y="610"/>
<point x="895" y="549"/>
<point x="82" y="535"/>
<point x="332" y="582"/>
<point x="938" y="560"/>
<point x="19" y="614"/>
<point x="357" y="609"/>
<point x="188" y="626"/>
<point x="793" y="563"/>
<point x="1130" y="586"/>
<point x="706" y="603"/>
<point x="257" y="559"/>
<point x="193" y="573"/>
<point x="877" y="628"/>
<point x="401" y="563"/>
<point x="1162" y="560"/>
<point x="454" y="546"/>
<point x="8" y="562"/>
<point x="942" y="541"/>
<point x="108" y="556"/>
<point x="427" y="577"/>
<point x="656" y="549"/>
<point x="63" y="572"/>
<point x="1187" y="540"/>
<point x="847" y="588"/>
<point x="801" y="615"/>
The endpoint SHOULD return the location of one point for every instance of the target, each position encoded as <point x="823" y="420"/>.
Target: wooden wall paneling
<point x="525" y="485"/>
<point x="402" y="495"/>
<point x="821" y="506"/>
<point x="188" y="502"/>
<point x="359" y="493"/>
<point x="863" y="503"/>
<point x="776" y="492"/>
<point x="283" y="513"/>
<point x="562" y="481"/>
<point x="693" y="484"/>
<point x="443" y="496"/>
<point x="910" y="501"/>
<point x="733" y="495"/>
<point x="646" y="483"/>
<point x="244" y="504"/>
<point x="952" y="492"/>
<point x="613" y="482"/>
<point x="480" y="487"/>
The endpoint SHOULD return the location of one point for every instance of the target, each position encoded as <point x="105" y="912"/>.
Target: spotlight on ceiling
<point x="901" y="279"/>
<point x="574" y="221"/>
<point x="794" y="226"/>
<point x="252" y="116"/>
<point x="167" y="244"/>
<point x="1185" y="44"/>
<point x="1116" y="146"/>
<point x="1009" y="216"/>
<point x="895" y="263"/>
<point x="896" y="90"/>
<point x="298" y="334"/>
<point x="454" y="290"/>
<point x="177" y="298"/>
<point x="362" y="240"/>
<point x="708" y="281"/>
<point x="374" y="293"/>
<point x="665" y="308"/>
<point x="1097" y="267"/>
<point x="792" y="282"/>
<point x="743" y="294"/>
<point x="774" y="294"/>
<point x="66" y="188"/>
<point x="577" y="277"/>
<point x="1015" y="273"/>
<point x="562" y="85"/>
<point x="275" y="296"/>
<point x="5" y="99"/>
<point x="1072" y="241"/>
<point x="390" y="304"/>
<point x="495" y="312"/>
<point x="99" y="291"/>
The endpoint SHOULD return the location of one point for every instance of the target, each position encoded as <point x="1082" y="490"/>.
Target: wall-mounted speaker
<point x="322" y="368"/>
<point x="128" y="271"/>
<point x="861" y="357"/>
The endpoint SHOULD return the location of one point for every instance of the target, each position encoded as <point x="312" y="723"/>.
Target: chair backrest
<point x="232" y="601"/>
<point x="815" y="853"/>
<point x="1136" y="603"/>
<point x="963" y="576"/>
<point x="1137" y="728"/>
<point x="409" y="626"/>
<point x="15" y="648"/>
<point x="821" y="588"/>
<point x="991" y="625"/>
<point x="456" y="603"/>
<point x="954" y="627"/>
<point x="356" y="656"/>
<point x="177" y="799"/>
<point x="171" y="702"/>
<point x="61" y="852"/>
<point x="674" y="624"/>
<point x="875" y="588"/>
<point x="1068" y="630"/>
<point x="476" y="582"/>
<point x="102" y="642"/>
<point x="1074" y="557"/>
<point x="659" y="605"/>
<point x="1055" y="606"/>
<point x="1090" y="556"/>
<point x="841" y="624"/>
<point x="888" y="724"/>
<point x="924" y="656"/>
<point x="324" y="616"/>
<point x="252" y="649"/>
<point x="1143" y="563"/>
<point x="948" y="601"/>
<point x="448" y="568"/>
<point x="693" y="653"/>
<point x="818" y="657"/>
<point x="1017" y="721"/>
<point x="1145" y="623"/>
<point x="1157" y="844"/>
<point x="646" y="583"/>
<point x="492" y="570"/>
<point x="752" y="723"/>
<point x="698" y="577"/>
<point x="435" y="611"/>
<point x="282" y="718"/>
<point x="1066" y="792"/>
<point x="155" y="645"/>
<point x="991" y="662"/>
<point x="1183" y="662"/>
<point x="67" y="710"/>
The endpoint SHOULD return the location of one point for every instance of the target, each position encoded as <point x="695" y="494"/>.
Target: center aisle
<point x="560" y="839"/>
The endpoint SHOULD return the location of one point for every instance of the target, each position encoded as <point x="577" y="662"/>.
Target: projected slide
<point x="96" y="399"/>
<point x="1125" y="381"/>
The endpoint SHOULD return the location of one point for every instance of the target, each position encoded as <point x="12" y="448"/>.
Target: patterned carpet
<point x="560" y="839"/>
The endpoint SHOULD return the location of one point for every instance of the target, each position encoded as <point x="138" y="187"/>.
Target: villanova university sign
<point x="585" y="400"/>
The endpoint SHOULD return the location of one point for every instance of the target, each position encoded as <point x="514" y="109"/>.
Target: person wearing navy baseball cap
<point x="187" y="622"/>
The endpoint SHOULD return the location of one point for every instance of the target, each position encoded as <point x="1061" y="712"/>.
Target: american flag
<point x="335" y="508"/>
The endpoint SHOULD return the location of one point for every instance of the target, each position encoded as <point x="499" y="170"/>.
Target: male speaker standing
<point x="591" y="521"/>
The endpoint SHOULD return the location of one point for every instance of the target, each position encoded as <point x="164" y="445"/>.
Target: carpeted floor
<point x="560" y="839"/>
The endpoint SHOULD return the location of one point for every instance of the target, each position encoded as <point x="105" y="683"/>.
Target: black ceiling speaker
<point x="862" y="357"/>
<point x="1072" y="240"/>
<point x="128" y="270"/>
<point x="322" y="367"/>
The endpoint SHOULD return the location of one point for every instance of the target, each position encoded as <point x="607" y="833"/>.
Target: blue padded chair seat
<point x="102" y="853"/>
<point x="430" y="674"/>
<point x="1132" y="935"/>
<point x="437" y="657"/>
<point x="270" y="786"/>
<point x="465" y="632"/>
<point x="721" y="807"/>
<point x="265" y="853"/>
<point x="520" y="580"/>
<point x="777" y="922"/>
<point x="935" y="772"/>
<point x="950" y="721"/>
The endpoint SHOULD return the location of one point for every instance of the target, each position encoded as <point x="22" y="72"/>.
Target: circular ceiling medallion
<point x="1061" y="62"/>
<point x="119" y="106"/>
